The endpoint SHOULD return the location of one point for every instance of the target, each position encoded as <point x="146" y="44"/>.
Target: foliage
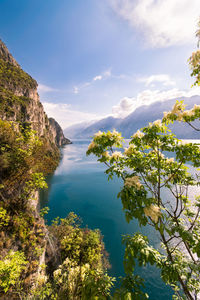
<point x="13" y="77"/>
<point x="82" y="273"/>
<point x="157" y="192"/>
<point x="24" y="157"/>
<point x="4" y="218"/>
<point x="11" y="268"/>
<point x="44" y="211"/>
<point x="9" y="103"/>
<point x="148" y="171"/>
<point x="131" y="288"/>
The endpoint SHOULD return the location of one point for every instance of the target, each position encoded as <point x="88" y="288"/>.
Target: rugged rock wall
<point x="57" y="132"/>
<point x="23" y="160"/>
<point x="19" y="100"/>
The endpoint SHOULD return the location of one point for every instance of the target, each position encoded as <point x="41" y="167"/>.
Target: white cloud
<point x="128" y="105"/>
<point x="104" y="75"/>
<point x="45" y="89"/>
<point x="76" y="90"/>
<point x="125" y="107"/>
<point x="162" y="22"/>
<point x="164" y="79"/>
<point x="66" y="116"/>
<point x="99" y="77"/>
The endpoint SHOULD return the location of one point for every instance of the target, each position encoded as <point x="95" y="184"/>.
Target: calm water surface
<point x="80" y="185"/>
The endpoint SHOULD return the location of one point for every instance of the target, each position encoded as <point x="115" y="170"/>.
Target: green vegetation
<point x="156" y="192"/>
<point x="10" y="270"/>
<point x="82" y="270"/>
<point x="10" y="104"/>
<point x="76" y="263"/>
<point x="23" y="157"/>
<point x="150" y="173"/>
<point x="14" y="78"/>
<point x="79" y="271"/>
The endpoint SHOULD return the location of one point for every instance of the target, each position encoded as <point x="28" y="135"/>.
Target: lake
<point x="80" y="185"/>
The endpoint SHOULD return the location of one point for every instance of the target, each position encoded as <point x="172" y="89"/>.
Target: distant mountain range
<point x="136" y="120"/>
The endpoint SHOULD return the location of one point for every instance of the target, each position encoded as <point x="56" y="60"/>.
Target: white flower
<point x="158" y="153"/>
<point x="115" y="132"/>
<point x="153" y="212"/>
<point x="99" y="133"/>
<point x="177" y="108"/>
<point x="188" y="113"/>
<point x="41" y="279"/>
<point x="133" y="181"/>
<point x="116" y="155"/>
<point x="57" y="273"/>
<point x="138" y="134"/>
<point x="196" y="107"/>
<point x="169" y="160"/>
<point x="157" y="123"/>
<point x="92" y="145"/>
<point x="166" y="114"/>
<point x="130" y="150"/>
<point x="106" y="154"/>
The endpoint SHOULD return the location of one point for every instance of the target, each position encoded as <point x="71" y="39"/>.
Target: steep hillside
<point x="61" y="261"/>
<point x="29" y="150"/>
<point x="20" y="103"/>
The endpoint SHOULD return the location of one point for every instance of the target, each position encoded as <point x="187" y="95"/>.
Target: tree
<point x="158" y="172"/>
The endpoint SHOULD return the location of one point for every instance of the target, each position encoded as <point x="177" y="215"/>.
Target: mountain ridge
<point x="138" y="119"/>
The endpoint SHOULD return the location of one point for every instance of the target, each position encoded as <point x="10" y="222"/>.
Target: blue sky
<point x="96" y="58"/>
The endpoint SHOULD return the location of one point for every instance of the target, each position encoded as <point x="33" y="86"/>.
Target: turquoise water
<point x="80" y="185"/>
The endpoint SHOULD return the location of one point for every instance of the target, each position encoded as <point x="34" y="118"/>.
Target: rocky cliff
<point x="29" y="149"/>
<point x="58" y="134"/>
<point x="19" y="100"/>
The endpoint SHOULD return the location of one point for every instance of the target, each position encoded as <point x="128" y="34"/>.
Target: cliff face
<point x="57" y="132"/>
<point x="19" y="100"/>
<point x="29" y="144"/>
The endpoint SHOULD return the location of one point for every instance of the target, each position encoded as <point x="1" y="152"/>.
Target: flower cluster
<point x="69" y="273"/>
<point x="130" y="150"/>
<point x="153" y="211"/>
<point x="194" y="62"/>
<point x="170" y="160"/>
<point x="178" y="113"/>
<point x="92" y="145"/>
<point x="195" y="58"/>
<point x="98" y="134"/>
<point x="138" y="134"/>
<point x="133" y="182"/>
<point x="41" y="279"/>
<point x="106" y="155"/>
<point x="157" y="123"/>
<point x="116" y="155"/>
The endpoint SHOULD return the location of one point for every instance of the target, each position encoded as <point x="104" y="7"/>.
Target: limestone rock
<point x="20" y="102"/>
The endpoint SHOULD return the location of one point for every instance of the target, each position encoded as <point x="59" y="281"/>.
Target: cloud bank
<point x="127" y="105"/>
<point x="66" y="116"/>
<point x="163" y="23"/>
<point x="164" y="79"/>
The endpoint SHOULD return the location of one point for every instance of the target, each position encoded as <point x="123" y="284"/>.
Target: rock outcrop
<point x="29" y="149"/>
<point x="6" y="56"/>
<point x="57" y="132"/>
<point x="20" y="102"/>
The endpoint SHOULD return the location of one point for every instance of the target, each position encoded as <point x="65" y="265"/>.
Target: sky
<point x="96" y="58"/>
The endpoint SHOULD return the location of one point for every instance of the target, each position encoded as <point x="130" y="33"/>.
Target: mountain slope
<point x="19" y="100"/>
<point x="138" y="119"/>
<point x="29" y="150"/>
